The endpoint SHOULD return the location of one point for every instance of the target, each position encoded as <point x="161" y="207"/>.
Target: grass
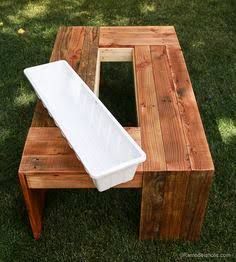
<point x="84" y="225"/>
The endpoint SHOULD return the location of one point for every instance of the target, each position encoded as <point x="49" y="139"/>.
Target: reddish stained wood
<point x="176" y="154"/>
<point x="131" y="41"/>
<point x="47" y="147"/>
<point x="65" y="163"/>
<point x="55" y="154"/>
<point x="34" y="200"/>
<point x="173" y="204"/>
<point x="152" y="143"/>
<point x="93" y="55"/>
<point x="51" y="163"/>
<point x="199" y="153"/>
<point x="87" y="66"/>
<point x="133" y="36"/>
<point x="54" y="133"/>
<point x="49" y="141"/>
<point x="149" y="118"/>
<point x="41" y="116"/>
<point x="195" y="204"/>
<point x="76" y="180"/>
<point x="48" y="134"/>
<point x="151" y="205"/>
<point x="68" y="45"/>
<point x="171" y="208"/>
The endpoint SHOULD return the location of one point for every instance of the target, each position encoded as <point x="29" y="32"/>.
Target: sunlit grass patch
<point x="227" y="128"/>
<point x="33" y="9"/>
<point x="146" y="8"/>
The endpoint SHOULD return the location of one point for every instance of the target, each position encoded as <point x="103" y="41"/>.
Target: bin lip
<point x="117" y="168"/>
<point x="94" y="175"/>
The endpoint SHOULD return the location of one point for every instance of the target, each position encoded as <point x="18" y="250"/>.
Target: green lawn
<point x="84" y="225"/>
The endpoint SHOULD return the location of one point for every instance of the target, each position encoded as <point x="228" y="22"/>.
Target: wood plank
<point x="123" y="40"/>
<point x="88" y="63"/>
<point x="54" y="133"/>
<point x="198" y="149"/>
<point x="76" y="180"/>
<point x="34" y="200"/>
<point x="55" y="164"/>
<point x="51" y="163"/>
<point x="46" y="150"/>
<point x="68" y="46"/>
<point x="149" y="118"/>
<point x="133" y="36"/>
<point x="176" y="153"/>
<point x="195" y="204"/>
<point x="44" y="134"/>
<point x="53" y="147"/>
<point x="173" y="205"/>
<point x="49" y="141"/>
<point x="146" y="28"/>
<point x="116" y="54"/>
<point x="93" y="55"/>
<point x="41" y="116"/>
<point x="151" y="205"/>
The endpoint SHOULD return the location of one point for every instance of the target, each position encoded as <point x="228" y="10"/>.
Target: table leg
<point x="34" y="200"/>
<point x="173" y="204"/>
<point x="151" y="205"/>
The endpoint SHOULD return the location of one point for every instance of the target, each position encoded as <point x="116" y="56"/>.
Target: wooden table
<point x="177" y="175"/>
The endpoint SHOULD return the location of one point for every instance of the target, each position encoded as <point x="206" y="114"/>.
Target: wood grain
<point x="152" y="143"/>
<point x="198" y="149"/>
<point x="173" y="204"/>
<point x="149" y="118"/>
<point x="72" y="180"/>
<point x="88" y="63"/>
<point x="152" y="204"/>
<point x="174" y="208"/>
<point x="134" y="36"/>
<point x="68" y="45"/>
<point x="116" y="54"/>
<point x="176" y="153"/>
<point x="195" y="204"/>
<point x="41" y="116"/>
<point x="49" y="162"/>
<point x="34" y="200"/>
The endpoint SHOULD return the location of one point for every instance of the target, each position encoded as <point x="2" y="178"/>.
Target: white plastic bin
<point x="108" y="153"/>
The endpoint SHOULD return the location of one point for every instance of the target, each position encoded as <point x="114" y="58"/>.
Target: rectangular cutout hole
<point x="117" y="91"/>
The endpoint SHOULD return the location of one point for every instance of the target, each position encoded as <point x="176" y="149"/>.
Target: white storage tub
<point x="108" y="153"/>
